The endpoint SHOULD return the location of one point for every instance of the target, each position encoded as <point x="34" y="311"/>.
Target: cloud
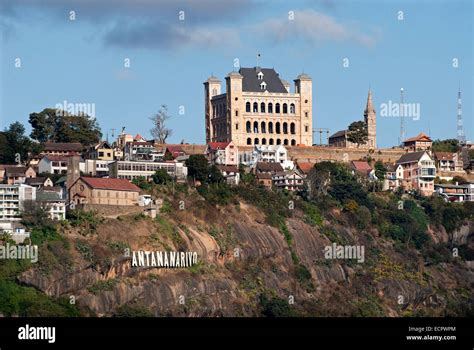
<point x="163" y="35"/>
<point x="313" y="27"/>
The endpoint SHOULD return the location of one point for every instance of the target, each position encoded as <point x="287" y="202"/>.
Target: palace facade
<point x="257" y="108"/>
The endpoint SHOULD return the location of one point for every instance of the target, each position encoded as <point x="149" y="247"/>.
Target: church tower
<point x="212" y="87"/>
<point x="370" y="121"/>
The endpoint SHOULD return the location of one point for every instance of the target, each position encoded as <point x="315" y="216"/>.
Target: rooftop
<point x="109" y="184"/>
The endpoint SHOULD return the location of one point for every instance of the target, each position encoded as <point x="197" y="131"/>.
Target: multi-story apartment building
<point x="419" y="171"/>
<point x="53" y="164"/>
<point x="222" y="153"/>
<point x="257" y="108"/>
<point x="132" y="170"/>
<point x="13" y="199"/>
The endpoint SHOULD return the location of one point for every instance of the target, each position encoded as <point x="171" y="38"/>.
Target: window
<point x="236" y="113"/>
<point x="292" y="128"/>
<point x="247" y="107"/>
<point x="263" y="85"/>
<point x="255" y="127"/>
<point x="255" y="107"/>
<point x="236" y="126"/>
<point x="270" y="107"/>
<point x="262" y="107"/>
<point x="277" y="108"/>
<point x="285" y="142"/>
<point x="263" y="128"/>
<point x="292" y="108"/>
<point x="277" y="127"/>
<point x="270" y="128"/>
<point x="306" y="114"/>
<point x="278" y="142"/>
<point x="285" y="128"/>
<point x="248" y="127"/>
<point x="270" y="142"/>
<point x="256" y="141"/>
<point x="285" y="108"/>
<point x="293" y="142"/>
<point x="214" y="92"/>
<point x="260" y="75"/>
<point x="306" y="128"/>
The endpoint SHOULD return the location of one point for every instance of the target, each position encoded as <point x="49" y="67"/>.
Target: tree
<point x="159" y="131"/>
<point x="215" y="176"/>
<point x="13" y="142"/>
<point x="49" y="125"/>
<point x="161" y="177"/>
<point x="358" y="133"/>
<point x="380" y="170"/>
<point x="448" y="145"/>
<point x="198" y="167"/>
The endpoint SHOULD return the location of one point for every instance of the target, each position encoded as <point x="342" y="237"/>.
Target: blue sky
<point x="82" y="61"/>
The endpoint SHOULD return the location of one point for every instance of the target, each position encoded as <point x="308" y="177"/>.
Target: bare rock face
<point x="240" y="258"/>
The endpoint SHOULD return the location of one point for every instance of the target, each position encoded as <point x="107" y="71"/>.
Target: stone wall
<point x="111" y="210"/>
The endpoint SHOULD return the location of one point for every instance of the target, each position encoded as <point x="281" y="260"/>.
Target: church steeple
<point x="369" y="107"/>
<point x="370" y="121"/>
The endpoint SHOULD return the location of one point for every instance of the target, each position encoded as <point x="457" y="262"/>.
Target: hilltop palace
<point x="257" y="108"/>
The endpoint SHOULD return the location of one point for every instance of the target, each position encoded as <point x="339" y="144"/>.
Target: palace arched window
<point x="264" y="141"/>
<point x="277" y="108"/>
<point x="270" y="107"/>
<point x="270" y="142"/>
<point x="249" y="141"/>
<point x="263" y="128"/>
<point x="255" y="141"/>
<point x="277" y="127"/>
<point x="285" y="108"/>
<point x="270" y="127"/>
<point x="255" y="107"/>
<point x="248" y="127"/>
<point x="285" y="128"/>
<point x="292" y="129"/>
<point x="255" y="127"/>
<point x="293" y="142"/>
<point x="247" y="107"/>
<point x="292" y="108"/>
<point x="278" y="142"/>
<point x="262" y="107"/>
<point x="285" y="142"/>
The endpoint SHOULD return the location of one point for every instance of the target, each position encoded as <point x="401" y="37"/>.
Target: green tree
<point x="13" y="141"/>
<point x="448" y="145"/>
<point x="58" y="126"/>
<point x="358" y="133"/>
<point x="215" y="175"/>
<point x="198" y="167"/>
<point x="161" y="177"/>
<point x="380" y="170"/>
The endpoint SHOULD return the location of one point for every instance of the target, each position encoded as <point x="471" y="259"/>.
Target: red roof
<point x="361" y="165"/>
<point x="138" y="137"/>
<point x="63" y="146"/>
<point x="305" y="167"/>
<point x="444" y="155"/>
<point x="420" y="137"/>
<point x="110" y="184"/>
<point x="218" y="145"/>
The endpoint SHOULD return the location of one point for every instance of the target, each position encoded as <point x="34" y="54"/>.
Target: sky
<point x="126" y="58"/>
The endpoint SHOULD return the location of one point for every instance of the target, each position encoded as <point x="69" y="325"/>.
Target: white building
<point x="13" y="198"/>
<point x="131" y="170"/>
<point x="15" y="230"/>
<point x="289" y="180"/>
<point x="93" y="167"/>
<point x="269" y="154"/>
<point x="53" y="203"/>
<point x="53" y="164"/>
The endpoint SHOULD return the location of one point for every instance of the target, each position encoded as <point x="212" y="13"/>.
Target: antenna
<point x="402" y="118"/>
<point x="460" y="130"/>
<point x="258" y="56"/>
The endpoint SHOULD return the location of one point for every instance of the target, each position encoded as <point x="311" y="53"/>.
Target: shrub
<point x="275" y="307"/>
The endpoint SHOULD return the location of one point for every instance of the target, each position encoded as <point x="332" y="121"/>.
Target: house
<point x="222" y="153"/>
<point x="139" y="138"/>
<point x="393" y="177"/>
<point x="39" y="182"/>
<point x="13" y="199"/>
<point x="17" y="174"/>
<point x="62" y="148"/>
<point x="362" y="168"/>
<point x="173" y="151"/>
<point x="448" y="162"/>
<point x="456" y="192"/>
<point x="52" y="164"/>
<point x="419" y="172"/>
<point x="52" y="202"/>
<point x="131" y="170"/>
<point x="16" y="231"/>
<point x="270" y="154"/>
<point x="95" y="168"/>
<point x="264" y="172"/>
<point x="421" y="142"/>
<point x="304" y="167"/>
<point x="100" y="151"/>
<point x="290" y="180"/>
<point x="141" y="150"/>
<point x="103" y="191"/>
<point x="230" y="173"/>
